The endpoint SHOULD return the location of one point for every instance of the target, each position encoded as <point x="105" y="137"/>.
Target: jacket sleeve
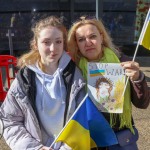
<point x="81" y="85"/>
<point x="140" y="93"/>
<point x="15" y="133"/>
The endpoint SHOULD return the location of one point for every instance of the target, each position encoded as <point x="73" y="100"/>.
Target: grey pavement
<point x="141" y="117"/>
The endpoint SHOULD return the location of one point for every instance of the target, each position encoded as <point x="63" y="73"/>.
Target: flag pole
<point x="69" y="120"/>
<point x="133" y="61"/>
<point x="137" y="46"/>
<point x="138" y="43"/>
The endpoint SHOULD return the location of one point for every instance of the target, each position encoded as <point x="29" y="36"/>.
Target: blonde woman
<point x="89" y="41"/>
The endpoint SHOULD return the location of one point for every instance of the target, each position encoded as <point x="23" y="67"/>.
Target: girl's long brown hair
<point x="33" y="55"/>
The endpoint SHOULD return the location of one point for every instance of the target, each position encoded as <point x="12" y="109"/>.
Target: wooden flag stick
<point x="137" y="46"/>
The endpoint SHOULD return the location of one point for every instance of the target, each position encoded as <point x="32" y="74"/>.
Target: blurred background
<point x="123" y="18"/>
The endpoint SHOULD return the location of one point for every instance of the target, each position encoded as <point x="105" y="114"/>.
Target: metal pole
<point x="99" y="8"/>
<point x="71" y="10"/>
<point x="10" y="34"/>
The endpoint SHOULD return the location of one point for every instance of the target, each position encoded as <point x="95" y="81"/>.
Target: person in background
<point x="89" y="41"/>
<point x="45" y="93"/>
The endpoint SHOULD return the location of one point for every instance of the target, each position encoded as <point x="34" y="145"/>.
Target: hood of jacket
<point x="53" y="83"/>
<point x="26" y="77"/>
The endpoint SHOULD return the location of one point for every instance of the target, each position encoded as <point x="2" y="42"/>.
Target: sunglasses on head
<point x="82" y="18"/>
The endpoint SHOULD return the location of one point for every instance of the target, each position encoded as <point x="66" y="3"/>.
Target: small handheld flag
<point x="87" y="129"/>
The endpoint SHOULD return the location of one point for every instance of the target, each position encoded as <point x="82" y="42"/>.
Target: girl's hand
<point x="131" y="70"/>
<point x="65" y="147"/>
<point x="45" y="148"/>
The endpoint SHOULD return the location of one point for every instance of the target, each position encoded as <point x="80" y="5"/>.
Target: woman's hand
<point x="45" y="148"/>
<point x="65" y="147"/>
<point x="131" y="70"/>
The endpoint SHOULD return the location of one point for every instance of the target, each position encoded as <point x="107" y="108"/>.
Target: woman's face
<point x="89" y="42"/>
<point x="50" y="45"/>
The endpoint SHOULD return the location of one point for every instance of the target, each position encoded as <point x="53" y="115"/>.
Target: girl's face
<point x="50" y="45"/>
<point x="89" y="42"/>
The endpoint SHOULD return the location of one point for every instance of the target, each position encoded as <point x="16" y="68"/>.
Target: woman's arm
<point x="140" y="95"/>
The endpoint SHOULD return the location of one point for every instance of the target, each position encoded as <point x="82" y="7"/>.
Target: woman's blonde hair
<point x="33" y="55"/>
<point x="72" y="44"/>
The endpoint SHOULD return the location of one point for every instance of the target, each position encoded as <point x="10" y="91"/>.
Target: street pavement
<point x="141" y="117"/>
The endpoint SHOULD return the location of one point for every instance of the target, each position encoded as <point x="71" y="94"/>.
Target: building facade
<point x="18" y="16"/>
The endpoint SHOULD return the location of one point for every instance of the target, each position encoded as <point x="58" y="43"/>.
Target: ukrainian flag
<point x="88" y="129"/>
<point x="145" y="34"/>
<point x="96" y="73"/>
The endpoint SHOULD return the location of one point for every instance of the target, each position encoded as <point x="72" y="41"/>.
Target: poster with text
<point x="106" y="82"/>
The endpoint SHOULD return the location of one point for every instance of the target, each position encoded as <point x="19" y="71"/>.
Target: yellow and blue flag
<point x="88" y="129"/>
<point x="145" y="34"/>
<point x="97" y="72"/>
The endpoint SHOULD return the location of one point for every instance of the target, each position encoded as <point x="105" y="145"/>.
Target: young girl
<point x="45" y="93"/>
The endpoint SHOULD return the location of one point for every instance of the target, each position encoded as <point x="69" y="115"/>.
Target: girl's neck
<point x="49" y="68"/>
